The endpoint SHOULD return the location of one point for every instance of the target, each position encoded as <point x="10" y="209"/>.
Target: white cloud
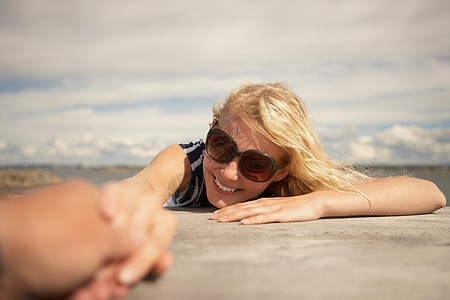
<point x="397" y="145"/>
<point x="48" y="38"/>
<point x="90" y="75"/>
<point x="98" y="152"/>
<point x="403" y="145"/>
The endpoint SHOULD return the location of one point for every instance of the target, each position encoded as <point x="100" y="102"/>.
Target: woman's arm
<point x="168" y="172"/>
<point x="134" y="199"/>
<point x="387" y="196"/>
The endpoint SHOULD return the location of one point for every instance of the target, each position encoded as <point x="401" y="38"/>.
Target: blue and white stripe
<point x="195" y="194"/>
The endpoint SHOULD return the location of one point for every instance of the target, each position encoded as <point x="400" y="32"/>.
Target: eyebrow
<point x="253" y="138"/>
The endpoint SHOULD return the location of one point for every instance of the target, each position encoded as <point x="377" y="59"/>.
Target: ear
<point x="281" y="174"/>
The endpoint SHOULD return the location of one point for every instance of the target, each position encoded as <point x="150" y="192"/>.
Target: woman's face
<point x="225" y="185"/>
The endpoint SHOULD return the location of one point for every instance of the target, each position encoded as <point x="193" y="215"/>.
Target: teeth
<point x="224" y="188"/>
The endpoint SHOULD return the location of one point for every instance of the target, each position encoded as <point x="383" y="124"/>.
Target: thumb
<point x="123" y="241"/>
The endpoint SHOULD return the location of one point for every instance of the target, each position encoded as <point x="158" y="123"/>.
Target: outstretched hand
<point x="57" y="242"/>
<point x="53" y="240"/>
<point x="124" y="204"/>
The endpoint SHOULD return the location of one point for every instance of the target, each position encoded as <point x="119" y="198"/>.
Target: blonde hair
<point x="280" y="115"/>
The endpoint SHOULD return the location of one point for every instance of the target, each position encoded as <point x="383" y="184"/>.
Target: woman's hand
<point x="267" y="210"/>
<point x="124" y="203"/>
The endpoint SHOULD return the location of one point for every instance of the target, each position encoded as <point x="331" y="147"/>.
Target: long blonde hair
<point x="281" y="116"/>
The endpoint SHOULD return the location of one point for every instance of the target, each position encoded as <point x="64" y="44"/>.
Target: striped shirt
<point x="195" y="194"/>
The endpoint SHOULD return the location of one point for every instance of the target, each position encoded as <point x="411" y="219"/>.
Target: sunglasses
<point x="254" y="165"/>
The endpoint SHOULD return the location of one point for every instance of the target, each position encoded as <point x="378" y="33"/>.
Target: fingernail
<point x="126" y="276"/>
<point x="214" y="215"/>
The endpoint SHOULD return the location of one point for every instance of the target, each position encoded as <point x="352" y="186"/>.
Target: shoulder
<point x="193" y="147"/>
<point x="195" y="152"/>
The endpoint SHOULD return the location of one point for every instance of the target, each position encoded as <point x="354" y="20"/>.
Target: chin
<point x="217" y="200"/>
<point x="219" y="204"/>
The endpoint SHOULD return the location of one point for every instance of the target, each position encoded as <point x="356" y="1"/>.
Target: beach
<point x="372" y="258"/>
<point x="399" y="257"/>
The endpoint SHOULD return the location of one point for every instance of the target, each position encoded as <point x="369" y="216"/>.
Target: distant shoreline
<point x="122" y="168"/>
<point x="77" y="167"/>
<point x="19" y="179"/>
<point x="424" y="169"/>
<point x="27" y="178"/>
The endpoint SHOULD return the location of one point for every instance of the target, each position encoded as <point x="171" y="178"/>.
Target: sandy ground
<point x="406" y="257"/>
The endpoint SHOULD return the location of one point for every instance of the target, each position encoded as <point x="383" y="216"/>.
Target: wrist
<point x="342" y="203"/>
<point x="139" y="182"/>
<point x="321" y="200"/>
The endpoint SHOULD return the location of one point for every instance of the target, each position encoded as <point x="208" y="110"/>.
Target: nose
<point x="230" y="169"/>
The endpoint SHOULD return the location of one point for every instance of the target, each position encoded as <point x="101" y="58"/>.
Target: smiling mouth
<point x="224" y="188"/>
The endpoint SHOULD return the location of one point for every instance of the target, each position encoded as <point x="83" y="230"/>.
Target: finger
<point x="227" y="210"/>
<point x="82" y="293"/>
<point x="102" y="286"/>
<point x="163" y="263"/>
<point x="146" y="211"/>
<point x="145" y="258"/>
<point x="123" y="241"/>
<point x="282" y="214"/>
<point x="118" y="202"/>
<point x="107" y="271"/>
<point x="245" y="206"/>
<point x="237" y="215"/>
<point x="107" y="285"/>
<point x="108" y="289"/>
<point x="100" y="290"/>
<point x="127" y="205"/>
<point x="263" y="218"/>
<point x="119" y="291"/>
<point x="95" y="290"/>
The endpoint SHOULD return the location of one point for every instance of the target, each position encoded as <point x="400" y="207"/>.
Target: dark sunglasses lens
<point x="256" y="166"/>
<point x="220" y="147"/>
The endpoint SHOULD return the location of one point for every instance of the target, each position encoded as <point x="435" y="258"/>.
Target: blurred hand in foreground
<point x="56" y="239"/>
<point x="125" y="205"/>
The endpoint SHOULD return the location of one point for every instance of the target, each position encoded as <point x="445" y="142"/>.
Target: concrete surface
<point x="405" y="257"/>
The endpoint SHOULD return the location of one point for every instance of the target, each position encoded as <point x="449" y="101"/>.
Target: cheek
<point x="256" y="188"/>
<point x="208" y="164"/>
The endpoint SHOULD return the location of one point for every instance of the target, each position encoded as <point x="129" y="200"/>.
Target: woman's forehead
<point x="246" y="137"/>
<point x="236" y="127"/>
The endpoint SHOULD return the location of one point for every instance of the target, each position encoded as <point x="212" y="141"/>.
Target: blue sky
<point x="113" y="82"/>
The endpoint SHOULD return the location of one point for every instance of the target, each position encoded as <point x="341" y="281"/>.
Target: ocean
<point x="439" y="175"/>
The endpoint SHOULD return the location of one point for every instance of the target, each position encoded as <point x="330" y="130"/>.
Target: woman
<point x="286" y="169"/>
<point x="262" y="162"/>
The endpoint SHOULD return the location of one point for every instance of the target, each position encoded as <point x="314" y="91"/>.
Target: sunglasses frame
<point x="236" y="152"/>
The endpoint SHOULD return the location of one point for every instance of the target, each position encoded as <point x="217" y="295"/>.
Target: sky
<point x="113" y="82"/>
